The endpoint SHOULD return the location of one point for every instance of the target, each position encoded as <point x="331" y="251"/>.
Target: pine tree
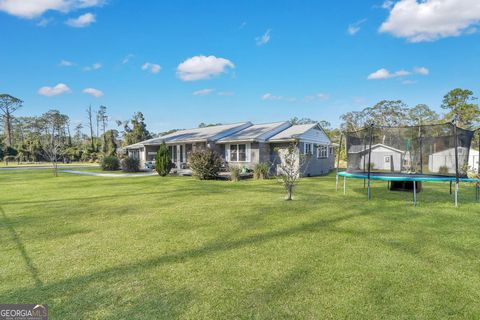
<point x="163" y="161"/>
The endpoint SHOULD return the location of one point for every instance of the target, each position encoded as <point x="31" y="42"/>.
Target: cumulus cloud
<point x="355" y="27"/>
<point x="152" y="67"/>
<point x="94" y="92"/>
<point x="82" y="21"/>
<point x="30" y="9"/>
<point x="54" y="91"/>
<point x="264" y="39"/>
<point x="202" y="67"/>
<point x="430" y="20"/>
<point x="203" y="92"/>
<point x="421" y="70"/>
<point x="318" y="97"/>
<point x="385" y="74"/>
<point x="65" y="63"/>
<point x="94" y="66"/>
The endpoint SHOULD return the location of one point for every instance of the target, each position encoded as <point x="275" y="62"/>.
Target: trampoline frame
<point x="369" y="175"/>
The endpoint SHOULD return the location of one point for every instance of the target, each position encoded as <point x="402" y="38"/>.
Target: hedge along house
<point x="244" y="144"/>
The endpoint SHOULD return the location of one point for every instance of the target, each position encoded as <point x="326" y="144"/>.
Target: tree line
<point x="34" y="138"/>
<point x="51" y="137"/>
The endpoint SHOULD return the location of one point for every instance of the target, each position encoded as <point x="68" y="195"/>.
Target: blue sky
<point x="186" y="62"/>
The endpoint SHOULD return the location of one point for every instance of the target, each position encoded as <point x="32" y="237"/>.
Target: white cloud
<point x="422" y="70"/>
<point x="430" y="20"/>
<point x="355" y="27"/>
<point x="94" y="66"/>
<point x="82" y="21"/>
<point x="202" y="67"/>
<point x="387" y="4"/>
<point x="269" y="96"/>
<point x="318" y="96"/>
<point x="65" y="63"/>
<point x="127" y="58"/>
<point x="385" y="74"/>
<point x="54" y="91"/>
<point x="203" y="92"/>
<point x="30" y="9"/>
<point x="226" y="93"/>
<point x="94" y="92"/>
<point x="264" y="39"/>
<point x="152" y="67"/>
<point x="43" y="22"/>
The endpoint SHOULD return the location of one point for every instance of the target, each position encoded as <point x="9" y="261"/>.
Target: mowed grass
<point x="178" y="248"/>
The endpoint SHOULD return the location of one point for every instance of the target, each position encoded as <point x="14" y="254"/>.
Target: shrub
<point x="443" y="170"/>
<point x="110" y="163"/>
<point x="163" y="161"/>
<point x="205" y="164"/>
<point x="130" y="164"/>
<point x="235" y="173"/>
<point x="261" y="170"/>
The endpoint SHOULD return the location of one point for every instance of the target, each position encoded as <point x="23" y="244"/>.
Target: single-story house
<point x="243" y="144"/>
<point x="440" y="162"/>
<point x="383" y="157"/>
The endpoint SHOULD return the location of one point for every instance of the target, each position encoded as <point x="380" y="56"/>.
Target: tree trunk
<point x="8" y="129"/>
<point x="289" y="192"/>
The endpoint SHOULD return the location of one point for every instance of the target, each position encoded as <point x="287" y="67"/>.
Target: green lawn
<point x="14" y="164"/>
<point x="153" y="248"/>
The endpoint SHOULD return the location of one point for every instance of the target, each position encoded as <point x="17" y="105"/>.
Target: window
<point x="173" y="153"/>
<point x="330" y="150"/>
<point x="322" y="151"/>
<point x="238" y="153"/>
<point x="387" y="159"/>
<point x="308" y="148"/>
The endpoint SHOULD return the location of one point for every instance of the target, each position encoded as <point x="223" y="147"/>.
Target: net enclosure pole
<point x="338" y="159"/>
<point x="414" y="193"/>
<point x="456" y="161"/>
<point x="478" y="167"/>
<point x="421" y="148"/>
<point x="370" y="160"/>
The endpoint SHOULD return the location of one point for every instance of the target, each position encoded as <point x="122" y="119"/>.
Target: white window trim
<point x="322" y="149"/>
<point x="248" y="152"/>
<point x="305" y="148"/>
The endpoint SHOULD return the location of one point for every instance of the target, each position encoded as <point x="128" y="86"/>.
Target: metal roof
<point x="257" y="132"/>
<point x="212" y="133"/>
<point x="292" y="132"/>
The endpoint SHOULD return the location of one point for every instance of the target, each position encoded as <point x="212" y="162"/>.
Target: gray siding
<point x="317" y="166"/>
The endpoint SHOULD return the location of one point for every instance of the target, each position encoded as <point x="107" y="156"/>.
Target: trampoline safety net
<point x="416" y="150"/>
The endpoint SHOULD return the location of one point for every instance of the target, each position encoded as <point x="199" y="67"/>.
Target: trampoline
<point x="415" y="154"/>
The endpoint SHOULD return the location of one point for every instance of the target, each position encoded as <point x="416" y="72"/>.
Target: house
<point x="383" y="157"/>
<point x="243" y="144"/>
<point x="444" y="161"/>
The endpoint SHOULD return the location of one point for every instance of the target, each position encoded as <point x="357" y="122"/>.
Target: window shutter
<point x="248" y="150"/>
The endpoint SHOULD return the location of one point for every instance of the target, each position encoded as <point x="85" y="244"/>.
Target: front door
<point x="387" y="164"/>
